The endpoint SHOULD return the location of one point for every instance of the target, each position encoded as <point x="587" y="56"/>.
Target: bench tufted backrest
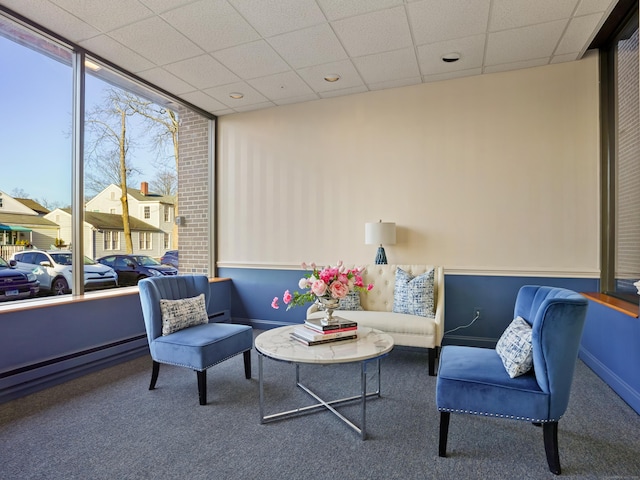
<point x="384" y="278"/>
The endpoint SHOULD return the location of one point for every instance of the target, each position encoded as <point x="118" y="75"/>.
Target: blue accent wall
<point x="47" y="345"/>
<point x="611" y="348"/>
<point x="254" y="289"/>
<point x="610" y="342"/>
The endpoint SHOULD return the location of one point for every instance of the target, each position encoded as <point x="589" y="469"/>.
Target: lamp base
<point x="381" y="257"/>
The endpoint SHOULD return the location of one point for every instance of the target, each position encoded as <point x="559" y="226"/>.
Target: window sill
<point x="43" y="302"/>
<point x="627" y="308"/>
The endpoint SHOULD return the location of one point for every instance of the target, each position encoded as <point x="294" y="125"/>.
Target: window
<point x="167" y="241"/>
<point x="111" y="240"/>
<point x="167" y="212"/>
<point x="621" y="162"/>
<point x="145" y="240"/>
<point x="37" y="70"/>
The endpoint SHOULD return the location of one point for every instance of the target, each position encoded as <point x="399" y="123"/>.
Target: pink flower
<point x="358" y="281"/>
<point x="369" y="287"/>
<point x="287" y="297"/>
<point x="319" y="288"/>
<point x="343" y="278"/>
<point x="274" y="303"/>
<point x="339" y="290"/>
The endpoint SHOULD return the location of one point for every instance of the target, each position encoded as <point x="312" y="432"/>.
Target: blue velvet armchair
<point x="474" y="380"/>
<point x="197" y="347"/>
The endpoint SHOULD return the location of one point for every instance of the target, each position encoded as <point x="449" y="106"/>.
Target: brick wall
<point x="193" y="192"/>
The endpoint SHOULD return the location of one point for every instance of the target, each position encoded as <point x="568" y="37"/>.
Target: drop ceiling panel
<point x="437" y="20"/>
<point x="272" y="17"/>
<point x="375" y="32"/>
<point x="203" y="49"/>
<point x="310" y="46"/>
<point x="526" y="43"/>
<point x="108" y="48"/>
<point x="106" y="19"/>
<point x="157" y="41"/>
<point x="202" y="72"/>
<point x="252" y="60"/>
<point x="578" y="34"/>
<point x="336" y="9"/>
<point x="388" y="66"/>
<point x="507" y="14"/>
<point x="212" y="25"/>
<point x="54" y="18"/>
<point x="168" y="81"/>
<point x="281" y="85"/>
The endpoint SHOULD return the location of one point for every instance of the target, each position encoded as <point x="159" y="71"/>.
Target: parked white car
<point x="53" y="270"/>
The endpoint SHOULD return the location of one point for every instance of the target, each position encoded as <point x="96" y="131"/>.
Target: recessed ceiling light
<point x="332" y="77"/>
<point x="451" y="57"/>
<point x="236" y="95"/>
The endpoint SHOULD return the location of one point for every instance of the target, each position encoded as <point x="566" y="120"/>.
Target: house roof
<point x="113" y="221"/>
<point x="33" y="205"/>
<point x="150" y="197"/>
<point x="25" y="220"/>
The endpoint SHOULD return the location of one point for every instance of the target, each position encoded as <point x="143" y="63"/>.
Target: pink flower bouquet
<point x="328" y="282"/>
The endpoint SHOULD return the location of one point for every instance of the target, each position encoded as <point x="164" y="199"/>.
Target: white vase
<point x="328" y="304"/>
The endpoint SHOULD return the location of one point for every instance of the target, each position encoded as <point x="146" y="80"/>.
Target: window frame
<point x="608" y="153"/>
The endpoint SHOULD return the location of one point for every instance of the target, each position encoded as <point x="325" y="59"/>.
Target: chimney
<point x="144" y="188"/>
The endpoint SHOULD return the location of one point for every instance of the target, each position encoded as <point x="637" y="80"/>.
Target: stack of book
<point x="313" y="332"/>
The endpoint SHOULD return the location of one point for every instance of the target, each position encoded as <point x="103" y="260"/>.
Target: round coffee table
<point x="370" y="346"/>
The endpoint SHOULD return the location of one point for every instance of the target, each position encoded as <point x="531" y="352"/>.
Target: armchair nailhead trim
<point x="498" y="415"/>
<point x="205" y="368"/>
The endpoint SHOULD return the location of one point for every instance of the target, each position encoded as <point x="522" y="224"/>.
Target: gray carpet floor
<point x="108" y="425"/>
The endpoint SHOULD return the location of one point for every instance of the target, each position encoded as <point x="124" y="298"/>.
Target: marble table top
<point x="276" y="343"/>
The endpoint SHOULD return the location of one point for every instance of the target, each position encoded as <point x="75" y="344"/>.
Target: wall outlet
<point x="477" y="312"/>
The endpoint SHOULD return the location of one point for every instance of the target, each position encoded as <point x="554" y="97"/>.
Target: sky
<point x="35" y="125"/>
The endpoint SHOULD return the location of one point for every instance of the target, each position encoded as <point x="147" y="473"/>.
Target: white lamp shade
<point x="380" y="233"/>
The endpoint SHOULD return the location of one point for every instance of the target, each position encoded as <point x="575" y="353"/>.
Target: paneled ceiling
<point x="278" y="52"/>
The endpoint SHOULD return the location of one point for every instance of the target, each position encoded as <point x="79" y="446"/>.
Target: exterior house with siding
<point x="151" y="208"/>
<point x="21" y="225"/>
<point x="104" y="234"/>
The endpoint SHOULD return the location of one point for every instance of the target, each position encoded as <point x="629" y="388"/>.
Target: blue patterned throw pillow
<point x="182" y="313"/>
<point x="515" y="349"/>
<point x="414" y="295"/>
<point x="351" y="301"/>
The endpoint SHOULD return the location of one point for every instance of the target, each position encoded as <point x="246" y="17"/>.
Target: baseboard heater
<point x="71" y="356"/>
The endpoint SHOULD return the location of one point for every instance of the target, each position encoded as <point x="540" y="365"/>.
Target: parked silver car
<point x="53" y="270"/>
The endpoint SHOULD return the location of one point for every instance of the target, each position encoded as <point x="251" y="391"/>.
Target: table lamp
<point x="380" y="233"/>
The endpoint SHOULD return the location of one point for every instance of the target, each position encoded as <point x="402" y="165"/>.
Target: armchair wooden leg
<point x="444" y="432"/>
<point x="155" y="368"/>
<point x="247" y="364"/>
<point x="550" y="433"/>
<point x="432" y="362"/>
<point x="202" y="386"/>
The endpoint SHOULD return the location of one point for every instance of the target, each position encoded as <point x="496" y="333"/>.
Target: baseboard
<point x="469" y="341"/>
<point x="26" y="383"/>
<point x="618" y="385"/>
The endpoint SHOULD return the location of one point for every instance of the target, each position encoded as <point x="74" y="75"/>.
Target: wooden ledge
<point x="622" y="306"/>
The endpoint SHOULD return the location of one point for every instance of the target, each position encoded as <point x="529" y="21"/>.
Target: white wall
<point x="486" y="174"/>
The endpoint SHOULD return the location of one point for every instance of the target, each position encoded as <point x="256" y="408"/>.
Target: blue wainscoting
<point x="610" y="343"/>
<point x="611" y="347"/>
<point x="253" y="290"/>
<point x="41" y="346"/>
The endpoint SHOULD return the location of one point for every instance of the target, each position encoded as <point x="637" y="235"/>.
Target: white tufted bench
<point x="407" y="330"/>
